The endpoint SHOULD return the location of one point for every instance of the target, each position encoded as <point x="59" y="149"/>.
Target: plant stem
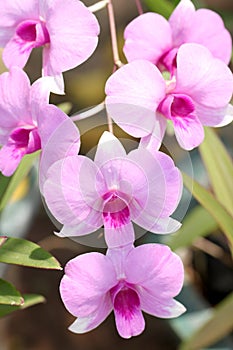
<point x="88" y="113"/>
<point x="110" y="126"/>
<point x="116" y="59"/>
<point x="98" y="6"/>
<point x="139" y="7"/>
<point x="115" y="52"/>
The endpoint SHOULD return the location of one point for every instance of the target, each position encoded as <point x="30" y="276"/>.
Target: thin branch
<point x="139" y="7"/>
<point x="115" y="52"/>
<point x="98" y="6"/>
<point x="213" y="250"/>
<point x="89" y="113"/>
<point x="110" y="126"/>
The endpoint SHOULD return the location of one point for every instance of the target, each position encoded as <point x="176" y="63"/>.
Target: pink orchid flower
<point x="127" y="281"/>
<point x="151" y="37"/>
<point x="114" y="190"/>
<point x="141" y="102"/>
<point x="68" y="33"/>
<point x="27" y="121"/>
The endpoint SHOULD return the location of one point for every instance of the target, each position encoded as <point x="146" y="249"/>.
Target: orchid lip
<point x="115" y="211"/>
<point x="26" y="137"/>
<point x="176" y="105"/>
<point x="33" y="31"/>
<point x="125" y="299"/>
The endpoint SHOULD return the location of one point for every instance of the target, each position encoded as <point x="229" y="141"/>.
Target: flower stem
<point x="109" y="120"/>
<point x="115" y="52"/>
<point x="116" y="58"/>
<point x="98" y="6"/>
<point x="88" y="113"/>
<point x="139" y="7"/>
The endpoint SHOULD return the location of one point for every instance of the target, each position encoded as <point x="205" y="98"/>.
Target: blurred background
<point x="208" y="265"/>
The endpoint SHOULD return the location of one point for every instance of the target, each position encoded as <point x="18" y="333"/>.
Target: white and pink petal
<point x="128" y="315"/>
<point x="75" y="40"/>
<point x="164" y="308"/>
<point x="64" y="141"/>
<point x="133" y="94"/>
<point x="155" y="273"/>
<point x="180" y="22"/>
<point x="14" y="102"/>
<point x="189" y="131"/>
<point x="147" y="37"/>
<point x="93" y="320"/>
<point x="70" y="189"/>
<point x="210" y="81"/>
<point x="207" y="28"/>
<point x="109" y="147"/>
<point x="87" y="280"/>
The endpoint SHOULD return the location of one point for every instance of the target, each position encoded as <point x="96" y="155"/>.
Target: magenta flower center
<point x="182" y="106"/>
<point x="168" y="61"/>
<point x="125" y="300"/>
<point x="33" y="31"/>
<point x="115" y="212"/>
<point x="26" y="138"/>
<point x="176" y="105"/>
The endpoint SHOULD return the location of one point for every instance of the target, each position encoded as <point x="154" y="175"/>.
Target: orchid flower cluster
<point x="176" y="73"/>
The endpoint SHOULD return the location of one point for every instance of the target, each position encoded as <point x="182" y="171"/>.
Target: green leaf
<point x="9" y="295"/>
<point x="198" y="223"/>
<point x="218" y="326"/>
<point x="29" y="300"/>
<point x="20" y="173"/>
<point x="212" y="205"/>
<point x="219" y="166"/>
<point x="4" y="180"/>
<point x="22" y="252"/>
<point x="163" y="7"/>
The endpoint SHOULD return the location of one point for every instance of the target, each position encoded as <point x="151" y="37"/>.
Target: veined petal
<point x="17" y="52"/>
<point x="164" y="185"/>
<point x="207" y="28"/>
<point x="156" y="272"/>
<point x="189" y="131"/>
<point x="70" y="189"/>
<point x="164" y="308"/>
<point x="86" y="324"/>
<point x="147" y="37"/>
<point x="180" y="22"/>
<point x="109" y="147"/>
<point x="210" y="81"/>
<point x="74" y="41"/>
<point x="119" y="236"/>
<point x="87" y="280"/>
<point x="57" y="85"/>
<point x="56" y="202"/>
<point x="214" y="117"/>
<point x="48" y="117"/>
<point x="14" y="102"/>
<point x="133" y="94"/>
<point x="128" y="316"/>
<point x="228" y="117"/>
<point x="64" y="141"/>
<point x="12" y="13"/>
<point x="78" y="228"/>
<point x="157" y="225"/>
<point x="203" y="26"/>
<point x="10" y="157"/>
<point x="117" y="256"/>
<point x="41" y="89"/>
<point x="126" y="178"/>
<point x="153" y="141"/>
